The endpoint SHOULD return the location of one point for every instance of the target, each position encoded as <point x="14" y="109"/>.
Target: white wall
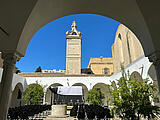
<point x="88" y="81"/>
<point x="91" y="81"/>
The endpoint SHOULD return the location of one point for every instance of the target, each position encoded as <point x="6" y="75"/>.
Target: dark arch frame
<point x="84" y="88"/>
<point x="16" y="98"/>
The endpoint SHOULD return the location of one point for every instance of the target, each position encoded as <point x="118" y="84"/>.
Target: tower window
<point x="106" y="71"/>
<point x="119" y="36"/>
<point x="74" y="33"/>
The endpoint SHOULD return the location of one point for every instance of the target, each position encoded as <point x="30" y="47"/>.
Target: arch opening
<point x="16" y="96"/>
<point x="123" y="59"/>
<point x="105" y="89"/>
<point x="49" y="96"/>
<point x="136" y="28"/>
<point x="153" y="76"/>
<point x="84" y="89"/>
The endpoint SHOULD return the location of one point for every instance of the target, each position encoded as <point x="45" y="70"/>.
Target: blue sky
<point x="48" y="46"/>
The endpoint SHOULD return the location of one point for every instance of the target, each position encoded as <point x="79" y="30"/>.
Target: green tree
<point x="33" y="94"/>
<point x="96" y="97"/>
<point x="131" y="98"/>
<point x="38" y="69"/>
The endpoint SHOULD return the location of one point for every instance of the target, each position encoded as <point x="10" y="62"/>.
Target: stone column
<point x="155" y="58"/>
<point x="44" y="98"/>
<point x="9" y="61"/>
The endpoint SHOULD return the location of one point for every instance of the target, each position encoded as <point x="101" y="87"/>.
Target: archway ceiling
<point x="13" y="16"/>
<point x="21" y="29"/>
<point x="150" y="10"/>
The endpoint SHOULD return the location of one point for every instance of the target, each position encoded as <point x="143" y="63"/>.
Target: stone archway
<point x="39" y="13"/>
<point x="48" y="93"/>
<point x="40" y="16"/>
<point x="135" y="75"/>
<point x="22" y="19"/>
<point x="153" y="76"/>
<point x="105" y="89"/>
<point x="16" y="96"/>
<point x="84" y="89"/>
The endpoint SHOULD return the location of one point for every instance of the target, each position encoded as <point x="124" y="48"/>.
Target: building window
<point x="106" y="71"/>
<point x="119" y="36"/>
<point x="74" y="33"/>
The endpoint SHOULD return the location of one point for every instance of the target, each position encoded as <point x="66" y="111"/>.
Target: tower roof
<point x="74" y="26"/>
<point x="74" y="30"/>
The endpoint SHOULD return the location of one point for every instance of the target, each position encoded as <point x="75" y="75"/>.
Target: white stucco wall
<point x="135" y="66"/>
<point x="89" y="82"/>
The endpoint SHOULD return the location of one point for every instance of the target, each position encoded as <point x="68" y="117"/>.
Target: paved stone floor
<point x="67" y="118"/>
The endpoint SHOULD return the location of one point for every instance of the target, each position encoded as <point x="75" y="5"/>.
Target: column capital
<point x="10" y="58"/>
<point x="155" y="58"/>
